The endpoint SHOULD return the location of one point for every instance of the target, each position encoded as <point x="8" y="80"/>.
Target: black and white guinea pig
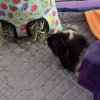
<point x="67" y="46"/>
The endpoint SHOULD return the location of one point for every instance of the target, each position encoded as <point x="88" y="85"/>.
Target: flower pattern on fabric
<point x="20" y="12"/>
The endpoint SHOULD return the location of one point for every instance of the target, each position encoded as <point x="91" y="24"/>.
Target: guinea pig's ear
<point x="55" y="47"/>
<point x="67" y="35"/>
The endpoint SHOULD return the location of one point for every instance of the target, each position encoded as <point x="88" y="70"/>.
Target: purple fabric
<point x="78" y="4"/>
<point x="90" y="70"/>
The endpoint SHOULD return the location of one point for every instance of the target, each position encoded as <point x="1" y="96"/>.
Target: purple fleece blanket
<point x="78" y="4"/>
<point x="90" y="70"/>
